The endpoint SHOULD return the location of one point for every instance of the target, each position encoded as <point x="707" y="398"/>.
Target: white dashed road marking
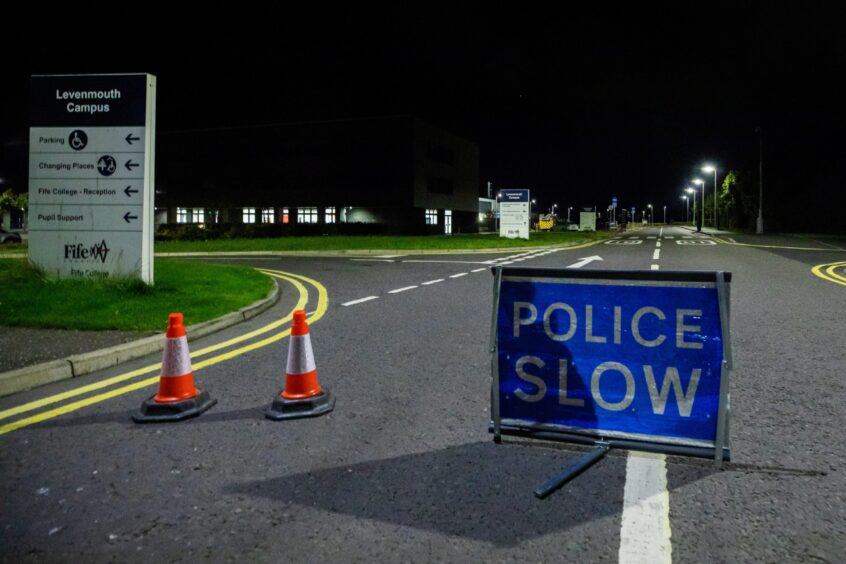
<point x="359" y="301"/>
<point x="432" y="282"/>
<point x="459" y="275"/>
<point x="398" y="290"/>
<point x="645" y="534"/>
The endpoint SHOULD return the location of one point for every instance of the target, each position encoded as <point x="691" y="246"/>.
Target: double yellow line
<point x="829" y="272"/>
<point x="295" y="280"/>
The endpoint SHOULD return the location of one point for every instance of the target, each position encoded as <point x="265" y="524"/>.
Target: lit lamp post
<point x="665" y="215"/>
<point x="686" y="209"/>
<point x="692" y="191"/>
<point x="709" y="168"/>
<point x="701" y="183"/>
<point x="650" y="213"/>
<point x="568" y="214"/>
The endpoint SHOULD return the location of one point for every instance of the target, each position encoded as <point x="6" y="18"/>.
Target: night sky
<point x="576" y="106"/>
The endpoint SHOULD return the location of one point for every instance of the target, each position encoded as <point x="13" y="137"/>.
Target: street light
<point x="665" y="215"/>
<point x="692" y="191"/>
<point x="652" y="221"/>
<point x="701" y="183"/>
<point x="686" y="208"/>
<point x="568" y="214"/>
<point x="709" y="168"/>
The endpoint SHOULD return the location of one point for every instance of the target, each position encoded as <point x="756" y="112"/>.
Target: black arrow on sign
<point x="129" y="191"/>
<point x="130" y="165"/>
<point x="130" y="139"/>
<point x="127" y="217"/>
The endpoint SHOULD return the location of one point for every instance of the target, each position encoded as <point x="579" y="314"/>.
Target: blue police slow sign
<point x="640" y="357"/>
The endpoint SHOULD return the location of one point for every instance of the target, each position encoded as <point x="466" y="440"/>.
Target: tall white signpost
<point x="91" y="173"/>
<point x="514" y="214"/>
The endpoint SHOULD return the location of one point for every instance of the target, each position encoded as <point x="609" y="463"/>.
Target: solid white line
<point x="362" y="300"/>
<point x="433" y="281"/>
<point x="372" y="260"/>
<point x="459" y="275"/>
<point x="479" y="270"/>
<point x="655" y="267"/>
<point x="398" y="290"/>
<point x="657" y="254"/>
<point x="645" y="534"/>
<point x="388" y="256"/>
<point x="452" y="261"/>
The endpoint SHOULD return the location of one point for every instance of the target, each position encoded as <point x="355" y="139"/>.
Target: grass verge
<point x="380" y="242"/>
<point x="200" y="291"/>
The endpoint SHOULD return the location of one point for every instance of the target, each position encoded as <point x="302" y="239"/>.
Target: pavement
<point x="33" y="357"/>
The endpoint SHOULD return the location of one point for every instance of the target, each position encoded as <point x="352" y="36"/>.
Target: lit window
<point x="286" y="215"/>
<point x="267" y="215"/>
<point x="330" y="215"/>
<point x="198" y="215"/>
<point x="248" y="215"/>
<point x="448" y="222"/>
<point x="306" y="215"/>
<point x="431" y="217"/>
<point x="181" y="215"/>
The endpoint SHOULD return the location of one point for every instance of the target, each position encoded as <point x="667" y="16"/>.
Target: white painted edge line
<point x="657" y="254"/>
<point x="398" y="290"/>
<point x="478" y="270"/>
<point x="388" y="256"/>
<point x="645" y="532"/>
<point x="655" y="267"/>
<point x="371" y="260"/>
<point x="359" y="301"/>
<point x="459" y="275"/>
<point x="435" y="281"/>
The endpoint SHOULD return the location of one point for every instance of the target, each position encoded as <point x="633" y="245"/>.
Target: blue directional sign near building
<point x="640" y="358"/>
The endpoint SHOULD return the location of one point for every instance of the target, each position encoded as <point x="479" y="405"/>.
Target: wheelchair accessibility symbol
<point x="107" y="165"/>
<point x="78" y="140"/>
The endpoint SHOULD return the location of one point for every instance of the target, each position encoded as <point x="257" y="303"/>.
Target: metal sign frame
<point x="721" y="449"/>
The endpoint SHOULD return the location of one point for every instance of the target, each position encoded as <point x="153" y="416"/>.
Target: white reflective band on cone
<point x="176" y="361"/>
<point x="300" y="355"/>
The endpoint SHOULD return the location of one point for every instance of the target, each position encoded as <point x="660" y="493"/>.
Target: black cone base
<point x="154" y="412"/>
<point x="282" y="408"/>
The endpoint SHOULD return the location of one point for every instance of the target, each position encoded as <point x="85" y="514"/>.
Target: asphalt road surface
<point x="404" y="469"/>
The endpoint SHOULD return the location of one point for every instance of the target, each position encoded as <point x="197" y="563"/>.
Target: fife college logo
<point x="80" y="252"/>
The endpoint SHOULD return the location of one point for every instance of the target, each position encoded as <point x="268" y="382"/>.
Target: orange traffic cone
<point x="177" y="399"/>
<point x="302" y="396"/>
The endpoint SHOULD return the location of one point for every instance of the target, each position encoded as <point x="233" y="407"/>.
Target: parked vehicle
<point x="7" y="237"/>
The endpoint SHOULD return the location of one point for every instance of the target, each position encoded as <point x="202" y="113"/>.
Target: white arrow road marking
<point x="584" y="261"/>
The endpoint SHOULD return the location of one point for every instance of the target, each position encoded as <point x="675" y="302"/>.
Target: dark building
<point x="399" y="174"/>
